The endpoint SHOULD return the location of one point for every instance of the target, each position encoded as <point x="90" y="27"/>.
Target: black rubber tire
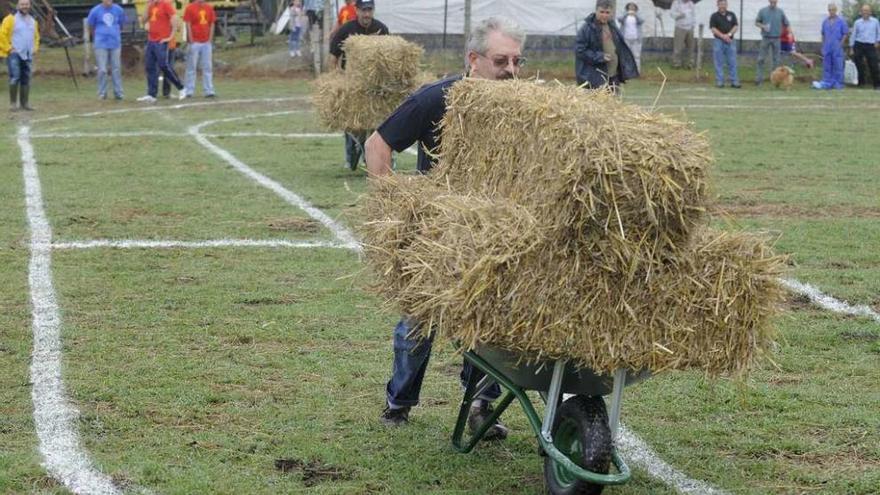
<point x="586" y="419"/>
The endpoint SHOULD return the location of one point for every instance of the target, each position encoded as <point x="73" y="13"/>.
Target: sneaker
<point x="212" y="95"/>
<point x="479" y="415"/>
<point x="147" y="99"/>
<point x="181" y="95"/>
<point x="292" y="54"/>
<point x="736" y="86"/>
<point x="117" y="97"/>
<point x="398" y="416"/>
<point x="102" y="97"/>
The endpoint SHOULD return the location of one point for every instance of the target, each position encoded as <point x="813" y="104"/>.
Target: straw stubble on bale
<point x="575" y="229"/>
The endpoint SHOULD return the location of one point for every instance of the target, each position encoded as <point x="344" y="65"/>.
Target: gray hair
<point x="478" y="41"/>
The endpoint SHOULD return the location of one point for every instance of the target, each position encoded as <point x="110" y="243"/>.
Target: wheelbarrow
<point x="576" y="436"/>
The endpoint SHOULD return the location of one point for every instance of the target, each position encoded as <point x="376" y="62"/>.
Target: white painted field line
<point x="54" y="416"/>
<point x="81" y="135"/>
<point x="639" y="454"/>
<point x="213" y="243"/>
<point x="769" y="109"/>
<point x="155" y="108"/>
<point x="292" y="198"/>
<point x="828" y="302"/>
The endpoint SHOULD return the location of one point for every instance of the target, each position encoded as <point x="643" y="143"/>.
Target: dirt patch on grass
<point x="312" y="472"/>
<point x="798" y="302"/>
<point x="860" y="335"/>
<point x="782" y="210"/>
<point x="268" y="301"/>
<point x="294" y="224"/>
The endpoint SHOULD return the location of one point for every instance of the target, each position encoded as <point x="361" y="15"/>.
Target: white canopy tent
<point x="560" y="17"/>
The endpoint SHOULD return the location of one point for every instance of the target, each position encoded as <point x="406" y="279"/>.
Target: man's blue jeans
<point x="105" y="57"/>
<point x="724" y="54"/>
<point x="200" y="57"/>
<point x="411" y="355"/>
<point x="156" y="59"/>
<point x="769" y="46"/>
<point x="19" y="70"/>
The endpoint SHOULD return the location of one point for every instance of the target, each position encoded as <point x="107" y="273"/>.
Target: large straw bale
<point x="512" y="243"/>
<point x="381" y="71"/>
<point x="387" y="62"/>
<point x="345" y="104"/>
<point x="615" y="175"/>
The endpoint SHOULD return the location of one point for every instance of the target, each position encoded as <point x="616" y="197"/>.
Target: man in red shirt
<point x="160" y="30"/>
<point x="199" y="18"/>
<point x="347" y="12"/>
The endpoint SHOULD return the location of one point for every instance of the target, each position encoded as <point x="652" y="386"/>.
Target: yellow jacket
<point x="6" y="35"/>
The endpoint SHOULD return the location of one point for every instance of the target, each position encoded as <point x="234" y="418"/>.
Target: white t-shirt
<point x="630" y="27"/>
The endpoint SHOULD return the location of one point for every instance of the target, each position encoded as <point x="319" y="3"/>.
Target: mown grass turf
<point x="195" y="370"/>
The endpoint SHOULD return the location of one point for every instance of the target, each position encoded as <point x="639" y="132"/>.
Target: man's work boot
<point x="25" y="93"/>
<point x="13" y="97"/>
<point x="479" y="415"/>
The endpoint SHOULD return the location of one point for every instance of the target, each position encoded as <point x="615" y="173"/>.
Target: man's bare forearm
<point x="378" y="156"/>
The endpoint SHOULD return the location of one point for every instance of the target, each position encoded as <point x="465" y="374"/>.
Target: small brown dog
<point x="782" y="76"/>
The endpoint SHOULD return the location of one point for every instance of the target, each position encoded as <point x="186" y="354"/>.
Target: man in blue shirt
<point x="494" y="51"/>
<point x="105" y="23"/>
<point x="834" y="31"/>
<point x="770" y="21"/>
<point x="864" y="42"/>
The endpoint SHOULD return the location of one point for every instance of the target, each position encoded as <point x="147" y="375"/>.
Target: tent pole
<point x="445" y="18"/>
<point x="740" y="48"/>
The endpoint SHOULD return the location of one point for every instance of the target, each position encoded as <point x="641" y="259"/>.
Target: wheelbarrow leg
<point x="616" y="400"/>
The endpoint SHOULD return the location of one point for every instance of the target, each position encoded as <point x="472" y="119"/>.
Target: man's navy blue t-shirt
<point x="416" y="119"/>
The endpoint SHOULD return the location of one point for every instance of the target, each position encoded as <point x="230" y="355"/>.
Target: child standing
<point x="631" y="27"/>
<point x="297" y="16"/>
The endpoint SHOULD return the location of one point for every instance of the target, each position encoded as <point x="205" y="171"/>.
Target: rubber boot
<point x="13" y="97"/>
<point x="24" y="94"/>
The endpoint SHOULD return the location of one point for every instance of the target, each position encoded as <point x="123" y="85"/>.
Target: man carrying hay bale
<point x="363" y="24"/>
<point x="602" y="58"/>
<point x="494" y="52"/>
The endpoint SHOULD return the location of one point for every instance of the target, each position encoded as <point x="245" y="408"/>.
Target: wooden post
<point x="87" y="51"/>
<point x="699" y="42"/>
<point x="467" y="20"/>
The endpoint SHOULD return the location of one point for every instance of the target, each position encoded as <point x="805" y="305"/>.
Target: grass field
<point x="195" y="368"/>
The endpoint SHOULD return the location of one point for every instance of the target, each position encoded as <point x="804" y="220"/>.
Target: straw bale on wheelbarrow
<point x="381" y="71"/>
<point x="606" y="261"/>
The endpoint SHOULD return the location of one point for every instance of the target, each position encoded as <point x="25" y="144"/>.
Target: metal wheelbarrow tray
<point x="576" y="435"/>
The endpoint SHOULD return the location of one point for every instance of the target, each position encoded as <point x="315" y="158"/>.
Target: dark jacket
<point x="589" y="59"/>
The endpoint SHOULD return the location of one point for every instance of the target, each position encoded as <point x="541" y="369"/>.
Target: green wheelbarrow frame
<point x="516" y="380"/>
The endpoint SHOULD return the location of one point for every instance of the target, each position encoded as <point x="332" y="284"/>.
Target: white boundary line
<point x="155" y="108"/>
<point x="773" y="109"/>
<point x="640" y="454"/>
<point x="54" y="416"/>
<point x="214" y="243"/>
<point x="341" y="233"/>
<point x="79" y="135"/>
<point x="828" y="302"/>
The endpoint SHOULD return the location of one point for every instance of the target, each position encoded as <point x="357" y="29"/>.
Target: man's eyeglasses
<point x="502" y="61"/>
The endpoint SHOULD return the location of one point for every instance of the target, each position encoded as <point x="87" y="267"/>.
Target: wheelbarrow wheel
<point x="581" y="432"/>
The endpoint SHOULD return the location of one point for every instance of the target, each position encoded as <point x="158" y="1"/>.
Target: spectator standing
<point x="864" y="42"/>
<point x="347" y="12"/>
<point x="834" y="31"/>
<point x="175" y="41"/>
<point x="105" y="22"/>
<point x="297" y="16"/>
<point x="160" y="31"/>
<point x="770" y="21"/>
<point x="19" y="42"/>
<point x="723" y="25"/>
<point x="631" y="26"/>
<point x="684" y="13"/>
<point x="314" y="11"/>
<point x="364" y="24"/>
<point x="200" y="18"/>
<point x="494" y="51"/>
<point x="601" y="56"/>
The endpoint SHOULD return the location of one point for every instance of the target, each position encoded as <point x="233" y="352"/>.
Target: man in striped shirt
<point x="864" y="42"/>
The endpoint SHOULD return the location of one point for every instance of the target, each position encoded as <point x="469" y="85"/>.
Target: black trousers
<point x="865" y="52"/>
